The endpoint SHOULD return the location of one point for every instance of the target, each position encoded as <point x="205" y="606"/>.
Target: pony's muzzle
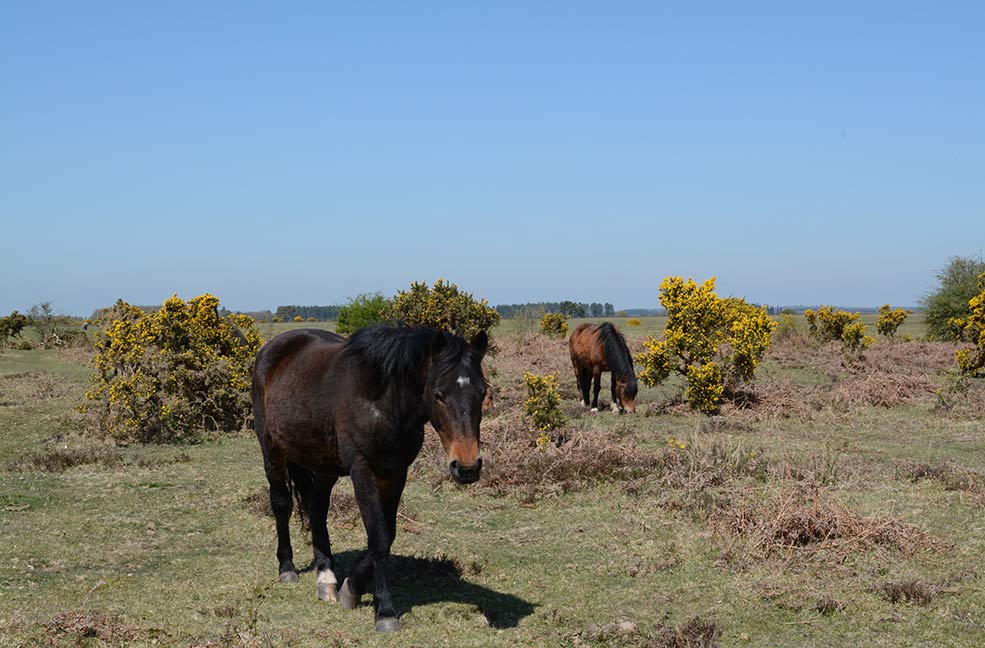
<point x="465" y="475"/>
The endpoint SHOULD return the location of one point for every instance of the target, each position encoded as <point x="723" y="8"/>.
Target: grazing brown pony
<point x="595" y="349"/>
<point x="325" y="407"/>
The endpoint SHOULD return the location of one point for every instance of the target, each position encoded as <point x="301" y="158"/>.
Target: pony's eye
<point x="438" y="396"/>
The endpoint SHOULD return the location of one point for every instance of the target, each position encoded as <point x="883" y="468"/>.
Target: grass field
<point x="841" y="505"/>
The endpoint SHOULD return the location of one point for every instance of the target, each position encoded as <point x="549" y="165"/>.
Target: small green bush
<point x="542" y="407"/>
<point x="360" y="311"/>
<point x="172" y="375"/>
<point x="554" y="324"/>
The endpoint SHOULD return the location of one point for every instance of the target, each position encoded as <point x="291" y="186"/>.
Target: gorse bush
<point x="298" y="318"/>
<point x="11" y="327"/>
<point x="713" y="343"/>
<point x="890" y="320"/>
<point x="542" y="407"/>
<point x="972" y="362"/>
<point x="838" y="325"/>
<point x="633" y="321"/>
<point x="360" y="311"/>
<point x="442" y="306"/>
<point x="173" y="375"/>
<point x="554" y="324"/>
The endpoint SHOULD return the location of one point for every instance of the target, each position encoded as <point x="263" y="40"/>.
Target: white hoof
<point x="614" y="408"/>
<point x="326" y="586"/>
<point x="595" y="410"/>
<point x="583" y="403"/>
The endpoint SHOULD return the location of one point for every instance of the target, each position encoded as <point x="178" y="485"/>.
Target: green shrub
<point x="890" y="319"/>
<point x="712" y="343"/>
<point x="442" y="307"/>
<point x="554" y="324"/>
<point x="957" y="283"/>
<point x="542" y="407"/>
<point x="172" y="375"/>
<point x="787" y="327"/>
<point x="360" y="311"/>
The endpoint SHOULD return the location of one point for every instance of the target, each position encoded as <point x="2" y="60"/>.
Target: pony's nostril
<point x="454" y="465"/>
<point x="478" y="463"/>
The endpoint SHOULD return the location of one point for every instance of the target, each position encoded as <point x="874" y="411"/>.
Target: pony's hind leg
<point x="320" y="497"/>
<point x="282" y="505"/>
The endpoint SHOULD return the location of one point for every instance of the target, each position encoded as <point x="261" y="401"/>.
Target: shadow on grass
<point x="416" y="581"/>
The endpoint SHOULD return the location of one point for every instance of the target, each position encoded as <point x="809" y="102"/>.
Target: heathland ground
<point x="836" y="502"/>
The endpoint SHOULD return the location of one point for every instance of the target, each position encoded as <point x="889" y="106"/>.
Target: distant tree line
<point x="569" y="308"/>
<point x="320" y="313"/>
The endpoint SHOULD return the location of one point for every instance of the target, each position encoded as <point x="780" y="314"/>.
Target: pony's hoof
<point x="615" y="408"/>
<point x="348" y="598"/>
<point x="583" y="403"/>
<point x="595" y="410"/>
<point x="289" y="577"/>
<point x="326" y="592"/>
<point x="387" y="624"/>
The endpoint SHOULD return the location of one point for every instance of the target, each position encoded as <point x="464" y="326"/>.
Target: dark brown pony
<point x="326" y="407"/>
<point x="595" y="349"/>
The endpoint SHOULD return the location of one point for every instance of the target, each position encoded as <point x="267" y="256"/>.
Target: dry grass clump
<point x="948" y="474"/>
<point x="78" y="626"/>
<point x="517" y="466"/>
<point x="890" y="375"/>
<point x="910" y="591"/>
<point x="879" y="388"/>
<point x="534" y="353"/>
<point x="61" y="458"/>
<point x="694" y="633"/>
<point x="808" y="523"/>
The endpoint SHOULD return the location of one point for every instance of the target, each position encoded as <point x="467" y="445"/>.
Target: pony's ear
<point x="479" y="343"/>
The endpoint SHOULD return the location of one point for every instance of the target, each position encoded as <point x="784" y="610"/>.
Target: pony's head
<point x="453" y="398"/>
<point x="626" y="389"/>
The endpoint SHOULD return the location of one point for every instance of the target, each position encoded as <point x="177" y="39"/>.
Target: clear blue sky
<point x="278" y="153"/>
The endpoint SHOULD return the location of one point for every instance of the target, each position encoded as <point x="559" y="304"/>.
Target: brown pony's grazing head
<point x="626" y="389"/>
<point x="453" y="398"/>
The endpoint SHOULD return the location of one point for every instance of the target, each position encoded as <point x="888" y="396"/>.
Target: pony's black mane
<point x="617" y="354"/>
<point x="394" y="352"/>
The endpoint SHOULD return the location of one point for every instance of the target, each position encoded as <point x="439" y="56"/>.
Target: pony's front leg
<point x="597" y="387"/>
<point x="377" y="501"/>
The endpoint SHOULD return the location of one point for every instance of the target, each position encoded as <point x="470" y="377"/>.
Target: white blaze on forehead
<point x="463" y="380"/>
<point x="375" y="411"/>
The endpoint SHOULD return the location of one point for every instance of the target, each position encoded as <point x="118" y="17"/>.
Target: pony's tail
<point x="299" y="482"/>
